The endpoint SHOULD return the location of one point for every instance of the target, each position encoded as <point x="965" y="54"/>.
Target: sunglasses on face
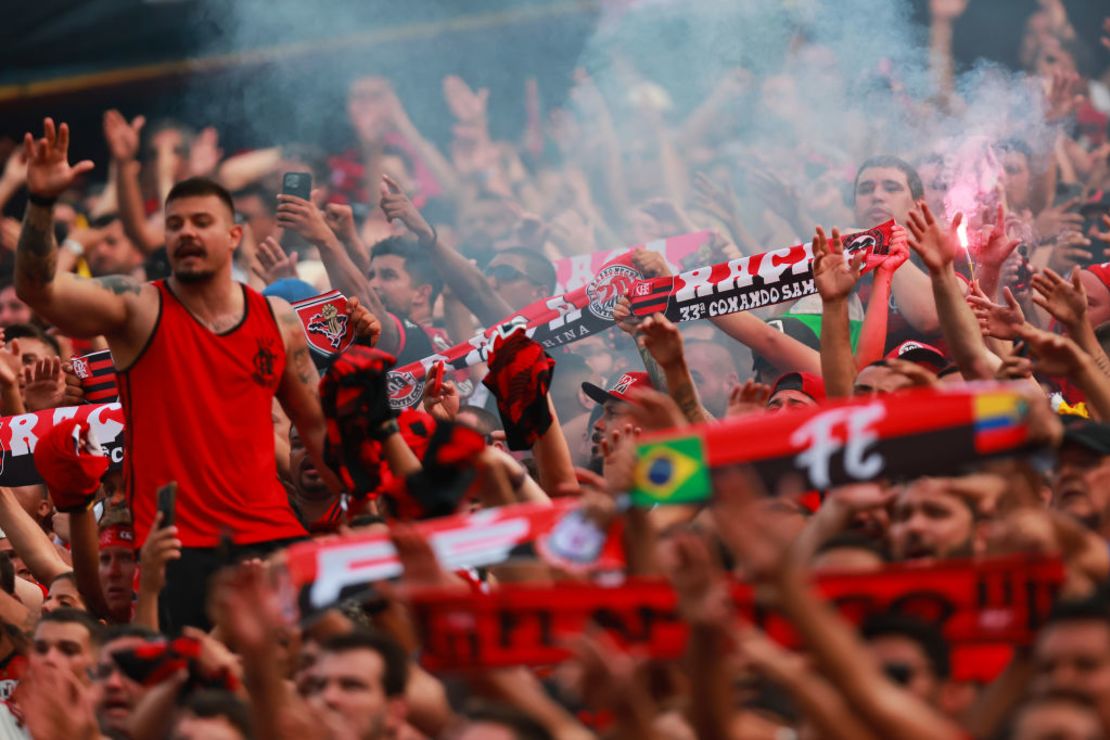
<point x="507" y="273"/>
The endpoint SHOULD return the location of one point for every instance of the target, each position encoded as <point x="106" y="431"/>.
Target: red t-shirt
<point x="197" y="408"/>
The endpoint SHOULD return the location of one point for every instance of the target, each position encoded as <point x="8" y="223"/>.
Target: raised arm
<point x="298" y="390"/>
<point x="123" y="144"/>
<point x="464" y="279"/>
<point x="835" y="279"/>
<point x="959" y="324"/>
<point x="78" y="307"/>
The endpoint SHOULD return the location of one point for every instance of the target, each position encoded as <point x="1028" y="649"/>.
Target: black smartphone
<point x="167" y="502"/>
<point x="300" y="185"/>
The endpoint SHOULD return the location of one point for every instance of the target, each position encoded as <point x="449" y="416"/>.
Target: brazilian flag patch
<point x="671" y="472"/>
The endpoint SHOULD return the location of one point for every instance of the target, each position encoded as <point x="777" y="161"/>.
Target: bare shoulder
<point x="283" y="312"/>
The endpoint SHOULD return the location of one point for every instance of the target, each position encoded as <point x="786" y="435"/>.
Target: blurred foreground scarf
<point x="519" y="378"/>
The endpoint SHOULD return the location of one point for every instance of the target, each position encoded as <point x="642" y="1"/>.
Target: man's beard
<point x="194" y="276"/>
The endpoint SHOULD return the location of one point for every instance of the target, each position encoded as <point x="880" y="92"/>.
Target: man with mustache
<point x="198" y="333"/>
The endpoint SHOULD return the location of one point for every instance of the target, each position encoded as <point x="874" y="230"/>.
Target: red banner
<point x="324" y="570"/>
<point x="19" y="434"/>
<point x="978" y="604"/>
<point x="839" y="442"/>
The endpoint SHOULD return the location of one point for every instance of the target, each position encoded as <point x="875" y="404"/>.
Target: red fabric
<point x="1102" y="272"/>
<point x="197" y="409"/>
<point x="71" y="473"/>
<point x="519" y="378"/>
<point x="118" y="536"/>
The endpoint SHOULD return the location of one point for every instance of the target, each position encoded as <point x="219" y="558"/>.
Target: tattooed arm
<point x="662" y="340"/>
<point x="298" y="392"/>
<point x="76" y="306"/>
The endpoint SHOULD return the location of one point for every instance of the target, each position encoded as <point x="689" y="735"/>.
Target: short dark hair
<point x="75" y="616"/>
<point x="199" y="187"/>
<point x="537" y="267"/>
<point x="30" y="331"/>
<point x="917" y="190"/>
<point x="1013" y="144"/>
<point x="396" y="673"/>
<point x="418" y="264"/>
<point x="927" y="636"/>
<point x="211" y="703"/>
<point x="254" y="190"/>
<point x="523" y="726"/>
<point x="488" y="422"/>
<point x="1091" y="609"/>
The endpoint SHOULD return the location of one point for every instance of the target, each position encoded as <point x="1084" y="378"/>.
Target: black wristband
<point x="385" y="430"/>
<point x="42" y="201"/>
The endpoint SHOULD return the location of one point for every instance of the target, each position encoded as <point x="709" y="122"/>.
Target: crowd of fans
<point x="116" y="625"/>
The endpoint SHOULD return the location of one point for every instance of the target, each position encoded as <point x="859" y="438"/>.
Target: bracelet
<point x="42" y="201"/>
<point x="73" y="246"/>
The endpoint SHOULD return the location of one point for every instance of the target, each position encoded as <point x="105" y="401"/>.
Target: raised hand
<point x="161" y="546"/>
<point x="653" y="411"/>
<point x="622" y="315"/>
<point x="834" y="277"/>
<point x="698" y="581"/>
<point x="74" y="392"/>
<point x="49" y="173"/>
<point x="946" y="11"/>
<point x="303" y="217"/>
<point x="44" y="384"/>
<point x="928" y="238"/>
<point x="1060" y="97"/>
<point x="444" y="406"/>
<point x="1064" y="300"/>
<point x="365" y="323"/>
<point x="662" y="339"/>
<point x="465" y="105"/>
<point x="396" y="205"/>
<point x="650" y="263"/>
<point x="273" y="263"/>
<point x="15" y="169"/>
<point x="340" y="218"/>
<point x="1102" y="236"/>
<point x="1054" y="354"/>
<point x="122" y="137"/>
<point x="205" y="153"/>
<point x="1071" y="248"/>
<point x="1055" y="220"/>
<point x="899" y="252"/>
<point x="1000" y="322"/>
<point x="996" y="246"/>
<point x="750" y="398"/>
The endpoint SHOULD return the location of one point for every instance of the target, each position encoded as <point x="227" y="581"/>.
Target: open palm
<point x="49" y="173"/>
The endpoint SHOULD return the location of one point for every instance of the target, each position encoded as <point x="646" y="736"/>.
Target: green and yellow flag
<point x="671" y="472"/>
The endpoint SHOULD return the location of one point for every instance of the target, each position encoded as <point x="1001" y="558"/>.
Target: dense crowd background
<point x="998" y="181"/>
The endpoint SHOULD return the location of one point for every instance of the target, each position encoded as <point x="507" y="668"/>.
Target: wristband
<point x="73" y="246"/>
<point x="385" y="430"/>
<point x="42" y="201"/>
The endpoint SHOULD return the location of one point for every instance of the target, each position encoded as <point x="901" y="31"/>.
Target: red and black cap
<point x="920" y="353"/>
<point x="620" y="390"/>
<point x="807" y="383"/>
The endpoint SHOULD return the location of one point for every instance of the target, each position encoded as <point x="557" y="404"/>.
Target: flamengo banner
<point x="324" y="570"/>
<point x="979" y="604"/>
<point x="572" y="273"/>
<point x="839" y="442"/>
<point x="19" y="434"/>
<point x="749" y="282"/>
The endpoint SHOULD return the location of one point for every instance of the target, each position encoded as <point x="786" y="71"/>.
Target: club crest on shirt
<point x="265" y="363"/>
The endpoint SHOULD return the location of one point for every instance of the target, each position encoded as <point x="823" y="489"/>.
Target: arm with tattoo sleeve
<point x="298" y="392"/>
